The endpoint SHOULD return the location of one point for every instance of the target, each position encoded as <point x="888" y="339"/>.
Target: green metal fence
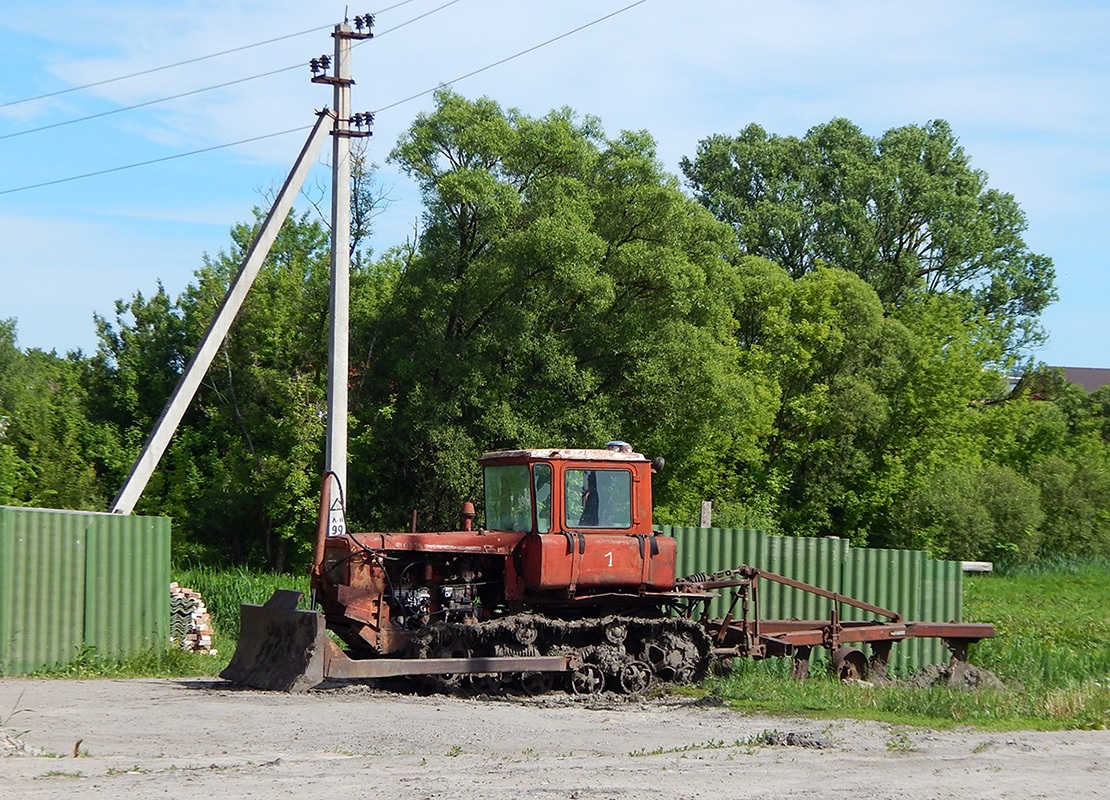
<point x="907" y="581"/>
<point x="71" y="580"/>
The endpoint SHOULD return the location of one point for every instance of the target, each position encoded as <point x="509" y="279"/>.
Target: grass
<point x="766" y="687"/>
<point x="1052" y="649"/>
<point x="1052" y="623"/>
<point x="223" y="591"/>
<point x="712" y="744"/>
<point x="153" y="663"/>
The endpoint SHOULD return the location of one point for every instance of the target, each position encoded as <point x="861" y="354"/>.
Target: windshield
<point x="599" y="498"/>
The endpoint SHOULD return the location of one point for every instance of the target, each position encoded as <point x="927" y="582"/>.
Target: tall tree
<point x="242" y="471"/>
<point x="904" y="211"/>
<point x="563" y="291"/>
<point x="44" y="433"/>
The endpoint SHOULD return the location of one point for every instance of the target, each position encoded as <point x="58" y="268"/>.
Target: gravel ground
<point x="203" y="739"/>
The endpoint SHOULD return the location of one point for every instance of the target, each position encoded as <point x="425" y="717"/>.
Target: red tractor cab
<point x="586" y="515"/>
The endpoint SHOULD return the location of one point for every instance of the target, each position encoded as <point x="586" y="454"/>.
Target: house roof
<point x="1090" y="378"/>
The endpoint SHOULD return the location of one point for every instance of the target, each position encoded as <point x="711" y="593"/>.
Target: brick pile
<point x="190" y="623"/>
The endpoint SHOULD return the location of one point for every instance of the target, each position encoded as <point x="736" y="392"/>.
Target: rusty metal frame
<point x="751" y="636"/>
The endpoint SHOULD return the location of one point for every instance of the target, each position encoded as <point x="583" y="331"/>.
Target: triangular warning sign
<point x="336" y="505"/>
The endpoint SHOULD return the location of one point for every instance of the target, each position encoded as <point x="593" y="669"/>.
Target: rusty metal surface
<point x="916" y="586"/>
<point x="279" y="648"/>
<point x="441" y="542"/>
<point x="338" y="665"/>
<point x="284" y="649"/>
<point x="588" y="562"/>
<point x="749" y="634"/>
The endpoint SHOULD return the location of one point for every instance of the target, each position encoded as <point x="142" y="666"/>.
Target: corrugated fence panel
<point x="942" y="598"/>
<point x="7" y="571"/>
<point x="816" y="561"/>
<point x="72" y="579"/>
<point x="127" y="603"/>
<point x="891" y="579"/>
<point x="44" y="589"/>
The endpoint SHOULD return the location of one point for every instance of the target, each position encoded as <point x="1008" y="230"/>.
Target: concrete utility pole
<point x="335" y="453"/>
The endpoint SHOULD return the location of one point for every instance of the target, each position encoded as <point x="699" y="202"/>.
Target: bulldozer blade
<point x="280" y="647"/>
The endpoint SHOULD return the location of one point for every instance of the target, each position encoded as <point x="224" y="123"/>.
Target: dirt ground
<point x="204" y="739"/>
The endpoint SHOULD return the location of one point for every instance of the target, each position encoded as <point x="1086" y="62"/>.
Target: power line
<point x="380" y="34"/>
<point x="156" y="160"/>
<point x="147" y="103"/>
<point x="156" y="69"/>
<point x="510" y="58"/>
<point x="306" y="127"/>
<point x="159" y="100"/>
<point x="182" y="63"/>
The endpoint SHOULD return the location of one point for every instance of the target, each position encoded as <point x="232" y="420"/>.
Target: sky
<point x="1024" y="85"/>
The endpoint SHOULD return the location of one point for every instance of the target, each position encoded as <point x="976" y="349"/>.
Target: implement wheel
<point x="587" y="679"/>
<point x="849" y="664"/>
<point x="534" y="684"/>
<point x="635" y="677"/>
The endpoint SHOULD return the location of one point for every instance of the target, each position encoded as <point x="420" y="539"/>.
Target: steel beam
<point x="338" y="665"/>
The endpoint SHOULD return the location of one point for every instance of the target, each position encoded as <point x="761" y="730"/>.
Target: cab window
<point x="508" y="498"/>
<point x="598" y="498"/>
<point x="541" y="487"/>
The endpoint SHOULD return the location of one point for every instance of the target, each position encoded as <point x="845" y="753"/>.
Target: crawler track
<point x="618" y="653"/>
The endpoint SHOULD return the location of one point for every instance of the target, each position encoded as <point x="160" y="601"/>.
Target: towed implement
<point x="566" y="585"/>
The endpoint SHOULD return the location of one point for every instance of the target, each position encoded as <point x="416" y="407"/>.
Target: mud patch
<point x="969" y="677"/>
<point x="793" y="739"/>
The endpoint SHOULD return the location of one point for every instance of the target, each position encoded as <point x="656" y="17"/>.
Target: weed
<point x="7" y="718"/>
<point x="455" y="751"/>
<point x="900" y="742"/>
<point x="712" y="744"/>
<point x="135" y="770"/>
<point x="1052" y="629"/>
<point x="156" y="662"/>
<point x="224" y="590"/>
<point x="57" y="773"/>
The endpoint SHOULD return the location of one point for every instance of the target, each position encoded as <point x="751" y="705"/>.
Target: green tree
<point x="978" y="511"/>
<point x="563" y="291"/>
<point x="1055" y="435"/>
<point x="869" y="406"/>
<point x="904" y="211"/>
<point x="44" y="433"/>
<point x="833" y="357"/>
